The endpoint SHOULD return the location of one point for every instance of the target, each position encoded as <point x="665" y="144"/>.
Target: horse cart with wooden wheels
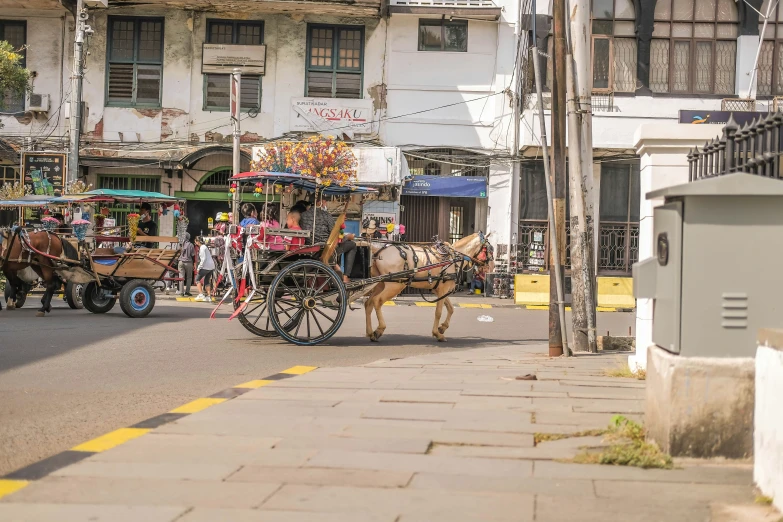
<point x="108" y="274"/>
<point x="295" y="292"/>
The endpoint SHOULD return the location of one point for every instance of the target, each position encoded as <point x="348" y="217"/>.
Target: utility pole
<point x="516" y="99"/>
<point x="580" y="156"/>
<point x="75" y="120"/>
<point x="557" y="170"/>
<point x="553" y="237"/>
<point x="236" y="104"/>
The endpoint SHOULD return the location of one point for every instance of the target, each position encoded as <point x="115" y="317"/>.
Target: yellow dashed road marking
<point x="10" y="486"/>
<point x="390" y="303"/>
<point x="185" y="299"/>
<point x="299" y="370"/>
<point x="425" y="304"/>
<point x="254" y="384"/>
<point x="111" y="440"/>
<point x="197" y="405"/>
<point x="474" y="305"/>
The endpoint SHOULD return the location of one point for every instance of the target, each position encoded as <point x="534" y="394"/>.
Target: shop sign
<point x="453" y="186"/>
<point x="223" y="58"/>
<point x="379" y="220"/>
<point x="719" y="117"/>
<point x="44" y="172"/>
<point x="341" y="116"/>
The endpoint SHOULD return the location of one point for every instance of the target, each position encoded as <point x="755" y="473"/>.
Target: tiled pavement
<point x="445" y="437"/>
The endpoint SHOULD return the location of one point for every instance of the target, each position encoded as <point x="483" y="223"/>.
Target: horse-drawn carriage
<point x="105" y="274"/>
<point x="297" y="294"/>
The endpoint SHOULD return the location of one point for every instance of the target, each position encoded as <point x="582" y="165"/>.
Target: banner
<point x="223" y="58"/>
<point x="454" y="186"/>
<point x="44" y="172"/>
<point x="331" y="115"/>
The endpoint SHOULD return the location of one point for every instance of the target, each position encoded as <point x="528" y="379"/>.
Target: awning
<point x="27" y="201"/>
<point x="299" y="181"/>
<point x="120" y="196"/>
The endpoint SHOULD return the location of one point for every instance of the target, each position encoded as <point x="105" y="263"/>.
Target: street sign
<point x="235" y="101"/>
<point x="44" y="172"/>
<point x="224" y="58"/>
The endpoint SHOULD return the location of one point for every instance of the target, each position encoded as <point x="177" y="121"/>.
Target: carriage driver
<point x="324" y="223"/>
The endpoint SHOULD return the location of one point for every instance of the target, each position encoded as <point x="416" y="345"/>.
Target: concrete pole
<point x="236" y="104"/>
<point x="77" y="72"/>
<point x="515" y="169"/>
<point x="557" y="269"/>
<point x="580" y="155"/>
<point x="557" y="172"/>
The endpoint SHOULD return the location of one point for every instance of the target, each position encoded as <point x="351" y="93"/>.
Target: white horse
<point x="388" y="259"/>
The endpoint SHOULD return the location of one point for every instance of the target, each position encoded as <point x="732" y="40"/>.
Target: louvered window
<point x="217" y="95"/>
<point x="135" y="61"/>
<point x="335" y="58"/>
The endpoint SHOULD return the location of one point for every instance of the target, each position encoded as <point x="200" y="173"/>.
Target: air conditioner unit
<point x="38" y="103"/>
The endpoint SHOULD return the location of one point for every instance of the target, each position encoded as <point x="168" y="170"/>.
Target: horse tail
<point x="69" y="251"/>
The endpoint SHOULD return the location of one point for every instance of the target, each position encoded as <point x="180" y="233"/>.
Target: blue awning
<point x="299" y="181"/>
<point x="453" y="186"/>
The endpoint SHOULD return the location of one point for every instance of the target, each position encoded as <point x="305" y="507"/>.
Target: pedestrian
<point x="477" y="283"/>
<point x="206" y="265"/>
<point x="147" y="227"/>
<point x="185" y="266"/>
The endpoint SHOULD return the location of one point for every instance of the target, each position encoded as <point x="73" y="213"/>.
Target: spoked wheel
<point x="255" y="317"/>
<point x="307" y="302"/>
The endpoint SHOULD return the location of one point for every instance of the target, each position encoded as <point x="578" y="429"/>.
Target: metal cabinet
<point x="716" y="276"/>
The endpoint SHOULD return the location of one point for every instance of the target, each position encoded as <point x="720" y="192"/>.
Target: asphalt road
<point x="73" y="376"/>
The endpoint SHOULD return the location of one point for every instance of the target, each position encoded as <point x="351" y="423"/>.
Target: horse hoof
<point x="442" y="329"/>
<point x="40" y="314"/>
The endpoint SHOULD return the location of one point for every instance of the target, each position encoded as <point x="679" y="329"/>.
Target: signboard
<point x="379" y="220"/>
<point x="536" y="252"/>
<point x="719" y="117"/>
<point x="235" y="96"/>
<point x="454" y="186"/>
<point x="44" y="172"/>
<point x="341" y="116"/>
<point x="222" y="58"/>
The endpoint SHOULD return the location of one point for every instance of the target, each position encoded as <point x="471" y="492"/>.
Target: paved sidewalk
<point x="445" y="437"/>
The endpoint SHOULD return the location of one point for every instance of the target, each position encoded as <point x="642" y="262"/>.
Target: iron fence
<point x="618" y="247"/>
<point x="753" y="148"/>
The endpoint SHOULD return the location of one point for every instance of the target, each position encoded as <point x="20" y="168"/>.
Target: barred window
<point x="335" y="58"/>
<point x="614" y="46"/>
<point x="694" y="47"/>
<point x="135" y="61"/>
<point x="770" y="67"/>
<point x="217" y="87"/>
<point x="15" y="33"/>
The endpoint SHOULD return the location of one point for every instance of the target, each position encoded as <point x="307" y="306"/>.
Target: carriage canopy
<point x="299" y="181"/>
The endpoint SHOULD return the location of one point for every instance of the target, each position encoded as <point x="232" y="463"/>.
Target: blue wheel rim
<point x="139" y="299"/>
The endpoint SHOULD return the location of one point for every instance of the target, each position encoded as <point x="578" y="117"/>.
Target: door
<point x="420" y="215"/>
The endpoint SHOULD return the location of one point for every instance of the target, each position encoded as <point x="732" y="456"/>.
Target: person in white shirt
<point x="206" y="265"/>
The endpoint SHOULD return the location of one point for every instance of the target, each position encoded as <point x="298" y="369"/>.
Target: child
<point x="292" y="223"/>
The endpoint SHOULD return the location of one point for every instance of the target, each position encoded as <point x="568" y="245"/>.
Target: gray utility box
<point x="717" y="272"/>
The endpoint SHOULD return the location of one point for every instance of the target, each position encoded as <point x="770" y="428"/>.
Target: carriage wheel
<point x="307" y="302"/>
<point x="255" y="316"/>
<point x="73" y="295"/>
<point x="137" y="298"/>
<point x="96" y="299"/>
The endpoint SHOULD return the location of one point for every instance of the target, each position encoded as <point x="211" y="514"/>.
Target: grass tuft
<point x="548" y="437"/>
<point x="629" y="449"/>
<point x="764" y="500"/>
<point x="626" y="372"/>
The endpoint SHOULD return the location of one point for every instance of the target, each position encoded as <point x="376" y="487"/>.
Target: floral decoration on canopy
<point x="324" y="159"/>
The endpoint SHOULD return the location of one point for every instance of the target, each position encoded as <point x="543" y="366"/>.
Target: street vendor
<point x="324" y="223"/>
<point x="147" y="227"/>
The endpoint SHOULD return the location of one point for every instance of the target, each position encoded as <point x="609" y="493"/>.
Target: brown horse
<point x="388" y="259"/>
<point x="18" y="252"/>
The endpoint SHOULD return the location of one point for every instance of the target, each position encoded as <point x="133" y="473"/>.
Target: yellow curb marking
<point x="425" y="304"/>
<point x="10" y="486"/>
<point x="111" y="440"/>
<point x="254" y="384"/>
<point x="197" y="405"/>
<point x="390" y="303"/>
<point x="185" y="299"/>
<point x="475" y="305"/>
<point x="299" y="370"/>
<point x="537" y="307"/>
<point x="605" y="309"/>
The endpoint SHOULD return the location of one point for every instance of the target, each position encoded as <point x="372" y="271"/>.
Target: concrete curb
<point x="20" y="478"/>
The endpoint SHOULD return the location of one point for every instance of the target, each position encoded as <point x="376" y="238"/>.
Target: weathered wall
<point x="45" y="53"/>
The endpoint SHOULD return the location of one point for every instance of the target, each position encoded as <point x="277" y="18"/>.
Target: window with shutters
<point x="694" y="47"/>
<point x="15" y="33"/>
<point x="134" y="62"/>
<point x="217" y="93"/>
<point x="614" y="46"/>
<point x="335" y="58"/>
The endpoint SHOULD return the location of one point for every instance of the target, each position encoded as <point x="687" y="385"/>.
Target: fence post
<point x="778" y="121"/>
<point x="691" y="165"/>
<point x="729" y="133"/>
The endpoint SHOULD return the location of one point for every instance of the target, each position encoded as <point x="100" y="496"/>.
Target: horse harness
<point x="440" y="251"/>
<point x="26" y="248"/>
